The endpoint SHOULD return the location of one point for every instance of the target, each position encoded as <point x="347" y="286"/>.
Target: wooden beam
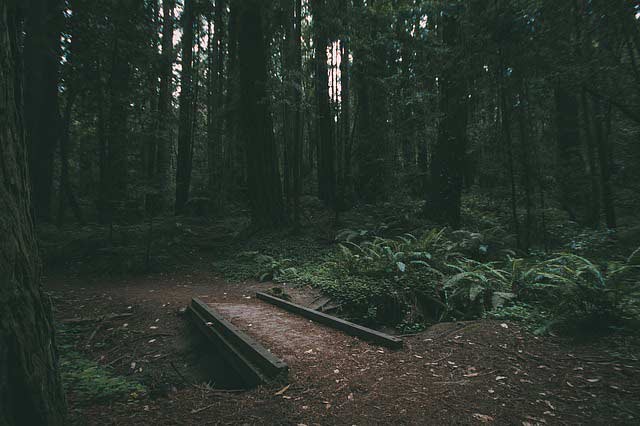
<point x="250" y="359"/>
<point x="337" y="323"/>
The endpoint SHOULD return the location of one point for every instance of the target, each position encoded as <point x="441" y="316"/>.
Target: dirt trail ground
<point x="455" y="373"/>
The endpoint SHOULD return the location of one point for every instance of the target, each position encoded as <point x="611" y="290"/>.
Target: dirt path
<point x="457" y="373"/>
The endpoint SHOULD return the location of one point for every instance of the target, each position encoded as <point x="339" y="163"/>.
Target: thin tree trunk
<point x="185" y="131"/>
<point x="233" y="158"/>
<point x="527" y="157"/>
<point x="104" y="211"/>
<point x="66" y="189"/>
<point x="150" y="149"/>
<point x="288" y="107"/>
<point x="163" y="163"/>
<point x="505" y="107"/>
<point x="594" y="197"/>
<point x="215" y="117"/>
<point x="298" y="136"/>
<point x="345" y="121"/>
<point x="604" y="154"/>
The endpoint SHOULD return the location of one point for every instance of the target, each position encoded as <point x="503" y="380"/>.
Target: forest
<point x="308" y="212"/>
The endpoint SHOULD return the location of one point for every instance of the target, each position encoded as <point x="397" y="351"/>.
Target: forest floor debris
<point x="453" y="373"/>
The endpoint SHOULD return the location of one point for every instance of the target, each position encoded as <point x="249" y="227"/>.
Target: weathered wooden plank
<point x="250" y="359"/>
<point x="334" y="322"/>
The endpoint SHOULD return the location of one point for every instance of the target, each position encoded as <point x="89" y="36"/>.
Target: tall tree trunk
<point x="298" y="137"/>
<point x="593" y="216"/>
<point x="526" y="158"/>
<point x="103" y="166"/>
<point x="572" y="179"/>
<point x="150" y="148"/>
<point x="185" y="135"/>
<point x="119" y="98"/>
<point x="263" y="178"/>
<point x="505" y="108"/>
<point x="43" y="23"/>
<point x="325" y="142"/>
<point x="163" y="163"/>
<point x="375" y="153"/>
<point x="287" y="49"/>
<point x="233" y="162"/>
<point x="444" y="191"/>
<point x="345" y="120"/>
<point x="215" y="117"/>
<point x="30" y="387"/>
<point x="66" y="193"/>
<point x="603" y="116"/>
<point x="361" y="85"/>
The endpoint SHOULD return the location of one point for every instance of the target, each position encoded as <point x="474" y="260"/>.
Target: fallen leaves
<point x="532" y="421"/>
<point x="282" y="391"/>
<point x="483" y="418"/>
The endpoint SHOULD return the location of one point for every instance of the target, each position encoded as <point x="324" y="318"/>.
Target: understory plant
<point x="269" y="268"/>
<point x="420" y="279"/>
<point x="410" y="279"/>
<point x="579" y="293"/>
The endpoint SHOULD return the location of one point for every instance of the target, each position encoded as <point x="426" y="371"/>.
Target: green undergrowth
<point x="87" y="381"/>
<point x="409" y="281"/>
<point x="168" y="243"/>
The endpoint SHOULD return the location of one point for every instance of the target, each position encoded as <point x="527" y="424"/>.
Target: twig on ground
<point x="198" y="410"/>
<point x="116" y="360"/>
<point x="103" y="318"/>
<point x="93" y="334"/>
<point x="179" y="374"/>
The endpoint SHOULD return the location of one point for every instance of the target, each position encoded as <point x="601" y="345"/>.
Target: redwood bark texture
<point x="443" y="198"/>
<point x="42" y="24"/>
<point x="30" y="386"/>
<point x="263" y="176"/>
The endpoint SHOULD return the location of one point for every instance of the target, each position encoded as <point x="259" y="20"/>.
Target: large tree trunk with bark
<point x="119" y="98"/>
<point x="43" y="22"/>
<point x="263" y="177"/>
<point x="444" y="190"/>
<point x="369" y="72"/>
<point x="326" y="142"/>
<point x="30" y="386"/>
<point x="573" y="181"/>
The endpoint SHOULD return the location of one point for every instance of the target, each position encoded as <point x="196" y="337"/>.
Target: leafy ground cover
<point x="383" y="266"/>
<point x="86" y="380"/>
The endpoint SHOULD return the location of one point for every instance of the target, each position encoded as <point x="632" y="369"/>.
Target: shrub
<point x="578" y="293"/>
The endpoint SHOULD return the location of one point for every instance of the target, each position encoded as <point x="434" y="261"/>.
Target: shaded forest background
<point x="166" y="107"/>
